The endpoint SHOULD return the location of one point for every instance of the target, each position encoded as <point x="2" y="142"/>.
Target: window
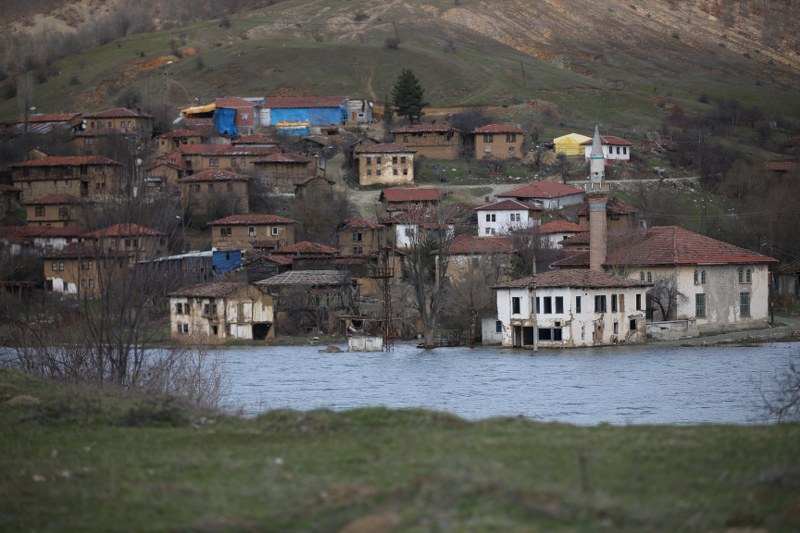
<point x="740" y="273"/>
<point x="369" y="172"/>
<point x="600" y="303"/>
<point x="616" y="328"/>
<point x="488" y="231"/>
<point x="86" y="264"/>
<point x="535" y="305"/>
<point x="63" y="212"/>
<point x="274" y="230"/>
<point x="357" y="236"/>
<point x="613" y="303"/>
<point x="39" y="210"/>
<point x="183" y="329"/>
<point x="179" y="309"/>
<point x="559" y="304"/>
<point x="547" y="301"/>
<point x="550" y="334"/>
<point x="57" y="266"/>
<point x="378" y="160"/>
<point x="91" y="284"/>
<point x="641" y="276"/>
<point x="744" y="303"/>
<point x="402" y="160"/>
<point x="394" y="159"/>
<point x="358" y="250"/>
<point x="251" y="231"/>
<point x="378" y="172"/>
<point x="196" y="187"/>
<point x="210" y="187"/>
<point x="488" y="217"/>
<point x="748" y="276"/>
<point x="638" y="302"/>
<point x="213" y="162"/>
<point x="577" y="304"/>
<point x="700" y="305"/>
<point x="515" y="305"/>
<point x="233" y="161"/>
<point x="703" y="277"/>
<point x="83" y="284"/>
<point x="512" y="150"/>
<point x="394" y="171"/>
<point x="225" y="232"/>
<point x="511" y="137"/>
<point x="632" y="325"/>
<point x="498" y="326"/>
<point x="488" y="137"/>
<point x="696" y="277"/>
<point x="210" y="309"/>
<point x="649" y="277"/>
<point x="405" y="172"/>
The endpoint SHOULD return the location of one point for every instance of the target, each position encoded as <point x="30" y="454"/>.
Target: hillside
<point x="621" y="62"/>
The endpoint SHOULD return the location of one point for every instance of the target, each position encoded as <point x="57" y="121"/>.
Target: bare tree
<point x="319" y="214"/>
<point x="665" y="296"/>
<point x="470" y="297"/>
<point x="784" y="403"/>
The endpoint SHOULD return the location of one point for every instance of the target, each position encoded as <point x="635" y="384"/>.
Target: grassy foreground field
<point x="81" y="460"/>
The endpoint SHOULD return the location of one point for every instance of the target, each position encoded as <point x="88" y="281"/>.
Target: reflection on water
<point x="621" y="385"/>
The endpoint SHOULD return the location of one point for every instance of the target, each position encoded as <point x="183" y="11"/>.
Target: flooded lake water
<point x="653" y="384"/>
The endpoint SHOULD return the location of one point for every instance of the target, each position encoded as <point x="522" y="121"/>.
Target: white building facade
<point x="505" y="217"/>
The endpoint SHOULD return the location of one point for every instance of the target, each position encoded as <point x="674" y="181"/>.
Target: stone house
<point x="313" y="187"/>
<point x="359" y="236"/>
<point x="280" y="171"/>
<point x="60" y="210"/>
<point x="197" y="157"/>
<point x="80" y="270"/>
<point x="87" y="177"/>
<point x="306" y="255"/>
<point x="209" y="189"/>
<point x="468" y="252"/>
<point x="572" y="309"/>
<point x="403" y="199"/>
<point x="120" y="120"/>
<point x="164" y="176"/>
<point x="39" y="239"/>
<point x="433" y="141"/>
<point x="136" y="242"/>
<point x="385" y="164"/>
<point x="219" y="311"/>
<point x="248" y="232"/>
<point x="173" y="140"/>
<point x="500" y="141"/>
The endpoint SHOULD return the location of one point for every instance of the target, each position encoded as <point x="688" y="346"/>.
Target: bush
<point x="392" y="43"/>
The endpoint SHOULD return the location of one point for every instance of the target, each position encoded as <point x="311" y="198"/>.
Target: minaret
<point x="597" y="197"/>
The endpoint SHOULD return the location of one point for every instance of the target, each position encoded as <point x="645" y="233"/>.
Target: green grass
<point x="80" y="459"/>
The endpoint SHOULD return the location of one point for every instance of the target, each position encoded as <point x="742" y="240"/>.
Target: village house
<point x="717" y="286"/>
<point x="163" y="176"/>
<point x="302" y="115"/>
<point x="385" y="164"/>
<point x="359" y="236"/>
<point x="434" y="141"/>
<point x="136" y="242"/>
<point x="492" y="256"/>
<point x="87" y="177"/>
<point x="38" y="239"/>
<point x="313" y="187"/>
<point x="120" y="120"/>
<point x="306" y="255"/>
<point x="570" y="144"/>
<point x="81" y="270"/>
<point x="506" y="217"/>
<point x="60" y="210"/>
<point x="620" y="216"/>
<point x="280" y="172"/>
<point x="404" y="199"/>
<point x="614" y="149"/>
<point x="500" y="141"/>
<point x="572" y="309"/>
<point x="173" y="140"/>
<point x="553" y="233"/>
<point x="197" y="157"/>
<point x="311" y="300"/>
<point x="408" y="227"/>
<point x="41" y="124"/>
<point x="359" y="112"/>
<point x="546" y="194"/>
<point x="212" y="190"/>
<point x="247" y="116"/>
<point x="219" y="311"/>
<point x="248" y="232"/>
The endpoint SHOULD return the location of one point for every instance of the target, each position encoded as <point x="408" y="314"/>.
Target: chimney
<point x="597" y="229"/>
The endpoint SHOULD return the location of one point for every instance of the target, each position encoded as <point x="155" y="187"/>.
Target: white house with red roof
<point x="552" y="233"/>
<point x="573" y="308"/>
<point x="721" y="286"/>
<point x="505" y="217"/>
<point x="615" y="149"/>
<point x="546" y="194"/>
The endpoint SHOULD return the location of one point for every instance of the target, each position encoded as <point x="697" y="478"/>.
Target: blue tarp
<point x="224" y="121"/>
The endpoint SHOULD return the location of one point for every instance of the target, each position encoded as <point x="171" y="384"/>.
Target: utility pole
<point x="532" y="308"/>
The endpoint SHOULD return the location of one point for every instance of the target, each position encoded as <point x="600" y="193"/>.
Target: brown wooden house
<point x="434" y="141"/>
<point x="58" y="210"/>
<point x="87" y="177"/>
<point x="249" y="232"/>
<point x="210" y="189"/>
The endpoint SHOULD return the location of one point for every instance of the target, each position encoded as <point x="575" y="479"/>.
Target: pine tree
<point x="408" y="96"/>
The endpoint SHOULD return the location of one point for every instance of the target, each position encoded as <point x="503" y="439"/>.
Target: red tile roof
<point x="64" y="161"/>
<point x="589" y="279"/>
<point x="498" y="128"/>
<point x="215" y="174"/>
<point x="425" y="128"/>
<point x="305" y="181"/>
<point x="505" y="205"/>
<point x="77" y="251"/>
<point x="235" y="220"/>
<point x="124" y="230"/>
<point x="226" y="149"/>
<point x="9" y="188"/>
<point x="253" y="139"/>
<point x="781" y="166"/>
<point x="291" y="102"/>
<point x="410" y="195"/>
<point x="561" y="226"/>
<point x="385" y="148"/>
<point x="470" y="244"/>
<point x="358" y="223"/>
<point x="670" y="245"/>
<point x="541" y="189"/>
<point x="54" y="117"/>
<point x="210" y="290"/>
<point x="609" y="140"/>
<point x="40" y="231"/>
<point x="306" y="248"/>
<point x="55" y="199"/>
<point x="119" y="112"/>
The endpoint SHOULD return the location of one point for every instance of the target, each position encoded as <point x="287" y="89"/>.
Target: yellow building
<point x="499" y="141"/>
<point x="570" y="144"/>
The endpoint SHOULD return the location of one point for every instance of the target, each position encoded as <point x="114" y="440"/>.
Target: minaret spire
<point x="597" y="162"/>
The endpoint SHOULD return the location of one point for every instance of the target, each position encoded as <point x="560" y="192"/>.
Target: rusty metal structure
<point x="382" y="273"/>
